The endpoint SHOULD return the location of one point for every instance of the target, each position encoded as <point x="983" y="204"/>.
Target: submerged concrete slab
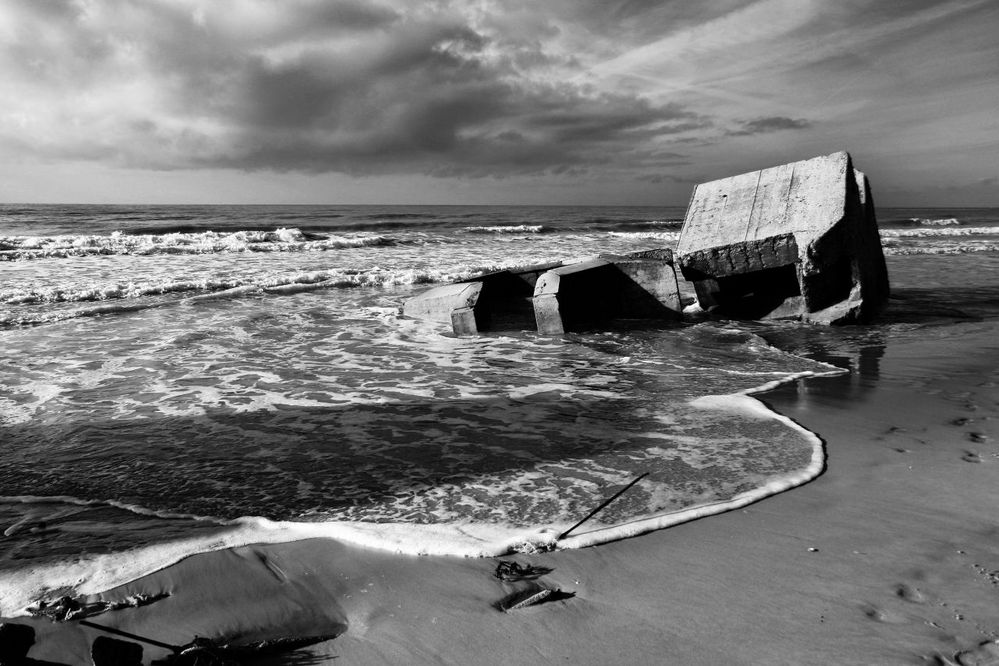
<point x="556" y="298"/>
<point x="491" y="302"/>
<point x="441" y="303"/>
<point x="592" y="293"/>
<point x="797" y="240"/>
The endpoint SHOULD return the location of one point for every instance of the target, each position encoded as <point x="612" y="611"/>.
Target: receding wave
<point x="39" y="305"/>
<point x="181" y="242"/>
<point x="486" y="470"/>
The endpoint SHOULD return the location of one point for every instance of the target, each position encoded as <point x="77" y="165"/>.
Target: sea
<point x="180" y="379"/>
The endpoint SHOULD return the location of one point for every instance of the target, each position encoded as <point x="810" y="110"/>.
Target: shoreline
<point x="101" y="572"/>
<point x="890" y="556"/>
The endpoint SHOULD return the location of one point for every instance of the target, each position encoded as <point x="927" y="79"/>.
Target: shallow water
<point x="162" y="383"/>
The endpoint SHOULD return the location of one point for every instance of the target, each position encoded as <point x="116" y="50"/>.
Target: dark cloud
<point x="347" y="86"/>
<point x="770" y="124"/>
<point x="350" y="86"/>
<point x="444" y="121"/>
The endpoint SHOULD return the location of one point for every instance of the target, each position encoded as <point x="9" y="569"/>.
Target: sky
<point x="490" y="101"/>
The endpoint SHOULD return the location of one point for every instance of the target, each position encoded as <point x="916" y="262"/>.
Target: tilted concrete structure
<point x="797" y="241"/>
<point x="634" y="286"/>
<point x="556" y="298"/>
<point x="490" y="302"/>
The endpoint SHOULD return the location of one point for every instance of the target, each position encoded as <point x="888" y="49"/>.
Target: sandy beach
<point x="889" y="557"/>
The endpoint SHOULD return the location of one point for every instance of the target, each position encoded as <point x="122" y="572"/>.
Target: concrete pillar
<point x="491" y="302"/>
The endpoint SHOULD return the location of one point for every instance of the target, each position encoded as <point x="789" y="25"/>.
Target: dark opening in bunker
<point x="757" y="294"/>
<point x="505" y="301"/>
<point x="830" y="285"/>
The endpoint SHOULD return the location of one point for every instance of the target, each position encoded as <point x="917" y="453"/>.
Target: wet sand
<point x="890" y="557"/>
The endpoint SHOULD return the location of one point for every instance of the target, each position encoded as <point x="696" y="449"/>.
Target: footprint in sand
<point x="909" y="593"/>
<point x="985" y="654"/>
<point x="881" y="615"/>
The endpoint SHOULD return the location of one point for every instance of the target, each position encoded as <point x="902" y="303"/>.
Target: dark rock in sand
<point x="985" y="654"/>
<point x="15" y="641"/>
<point x="515" y="571"/>
<point x="794" y="241"/>
<point x="112" y="652"/>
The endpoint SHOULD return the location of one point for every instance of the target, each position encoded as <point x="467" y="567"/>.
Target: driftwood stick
<point x="174" y="648"/>
<point x="605" y="503"/>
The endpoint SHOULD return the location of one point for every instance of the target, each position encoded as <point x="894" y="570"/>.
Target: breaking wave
<point x="934" y="222"/>
<point x="181" y="242"/>
<point x="929" y="233"/>
<point x="27" y="304"/>
<point x="658" y="236"/>
<point x="508" y="229"/>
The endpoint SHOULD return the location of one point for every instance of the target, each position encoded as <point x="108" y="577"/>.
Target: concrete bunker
<point x="579" y="296"/>
<point x="795" y="241"/>
<point x="498" y="301"/>
<point x="556" y="298"/>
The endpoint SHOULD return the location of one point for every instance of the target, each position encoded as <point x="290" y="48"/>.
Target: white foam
<point x="969" y="246"/>
<point x="935" y="222"/>
<point x="205" y="242"/>
<point x="746" y="406"/>
<point x="92" y="574"/>
<point x="659" y="236"/>
<point x="95" y="573"/>
<point x="508" y="229"/>
<point x="935" y="232"/>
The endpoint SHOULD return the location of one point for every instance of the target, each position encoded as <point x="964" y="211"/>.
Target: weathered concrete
<point x="490" y="302"/>
<point x="795" y="241"/>
<point x="557" y="298"/>
<point x="445" y="303"/>
<point x="591" y="293"/>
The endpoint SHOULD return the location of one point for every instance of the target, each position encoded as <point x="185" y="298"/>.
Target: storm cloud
<point x="349" y="86"/>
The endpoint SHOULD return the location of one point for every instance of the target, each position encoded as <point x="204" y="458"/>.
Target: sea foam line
<point x="939" y="231"/>
<point x="97" y="573"/>
<point x="133" y="297"/>
<point x="508" y="229"/>
<point x="205" y="242"/>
